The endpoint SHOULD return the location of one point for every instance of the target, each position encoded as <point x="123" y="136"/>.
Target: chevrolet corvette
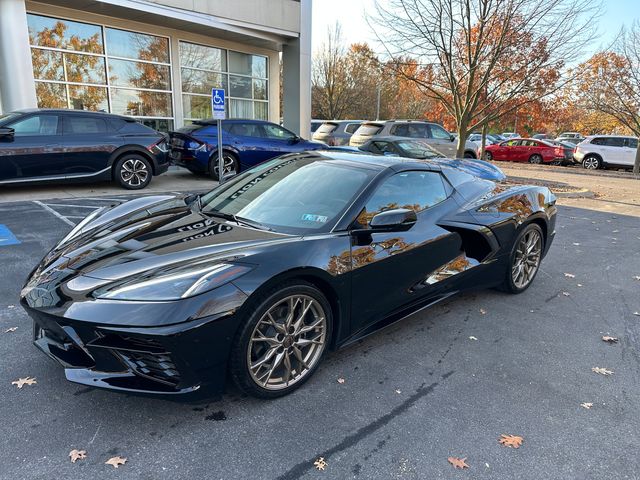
<point x="256" y="280"/>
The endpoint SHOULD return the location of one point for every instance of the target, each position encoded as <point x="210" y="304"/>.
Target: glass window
<point x="64" y="34"/>
<point x="631" y="142"/>
<point x="240" y="108"/>
<point x="326" y="127"/>
<point x="47" y="65"/>
<point x="160" y="124"/>
<point x="261" y="110"/>
<point x="196" y="106"/>
<point x="125" y="73"/>
<point x="351" y="128"/>
<point x="260" y="89"/>
<point x="412" y="190"/>
<point x="386" y="148"/>
<point x="85" y="68"/>
<point x="35" y="125"/>
<point x="78" y="124"/>
<point x="88" y="98"/>
<point x="240" y="63"/>
<point x="259" y="66"/>
<point x="51" y="95"/>
<point x="239" y="87"/>
<point x="439" y="133"/>
<point x="613" y="142"/>
<point x="245" y="129"/>
<point x="276" y="132"/>
<point x="141" y="103"/>
<point x="204" y="58"/>
<point x="368" y="129"/>
<point x="200" y="81"/>
<point x="138" y="46"/>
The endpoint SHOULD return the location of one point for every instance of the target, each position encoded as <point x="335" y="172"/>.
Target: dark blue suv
<point x="245" y="143"/>
<point x="47" y="145"/>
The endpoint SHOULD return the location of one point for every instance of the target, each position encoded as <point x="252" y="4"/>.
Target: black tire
<point x="241" y="350"/>
<point x="132" y="171"/>
<point x="509" y="285"/>
<point x="592" y="162"/>
<point x="469" y="155"/>
<point x="229" y="160"/>
<point x="488" y="156"/>
<point x="535" y="159"/>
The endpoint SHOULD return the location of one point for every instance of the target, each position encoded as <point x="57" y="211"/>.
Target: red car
<point x="526" y="150"/>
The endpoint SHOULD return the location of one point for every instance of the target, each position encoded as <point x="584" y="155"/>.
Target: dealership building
<point x="158" y="60"/>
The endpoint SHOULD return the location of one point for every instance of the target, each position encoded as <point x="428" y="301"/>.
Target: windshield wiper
<point x="237" y="219"/>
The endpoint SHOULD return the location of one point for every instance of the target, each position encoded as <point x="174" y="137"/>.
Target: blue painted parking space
<point x="7" y="237"/>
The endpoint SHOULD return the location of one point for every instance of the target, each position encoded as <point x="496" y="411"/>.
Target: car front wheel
<point x="535" y="159"/>
<point x="282" y="340"/>
<point x="133" y="172"/>
<point x="591" y="163"/>
<point x="525" y="259"/>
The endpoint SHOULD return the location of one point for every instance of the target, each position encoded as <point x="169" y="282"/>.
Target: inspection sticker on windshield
<point x="310" y="217"/>
<point x="6" y="237"/>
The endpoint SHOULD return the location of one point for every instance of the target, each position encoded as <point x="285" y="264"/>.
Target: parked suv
<point x="245" y="143"/>
<point x="40" y="145"/>
<point x="432" y="133"/>
<point x="600" y="151"/>
<point x="336" y="133"/>
<point x="572" y="137"/>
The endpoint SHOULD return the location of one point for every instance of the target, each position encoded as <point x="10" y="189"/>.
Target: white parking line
<point x="71" y="206"/>
<point x="52" y="211"/>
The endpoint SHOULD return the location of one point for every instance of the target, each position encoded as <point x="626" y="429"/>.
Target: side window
<point x="78" y="125"/>
<point x="512" y="143"/>
<point x="245" y="129"/>
<point x="36" y="125"/>
<point x="401" y="130"/>
<point x="440" y="133"/>
<point x="631" y="142"/>
<point x="615" y="142"/>
<point x="276" y="132"/>
<point x="416" y="190"/>
<point x="386" y="147"/>
<point x="351" y="128"/>
<point x="417" y="130"/>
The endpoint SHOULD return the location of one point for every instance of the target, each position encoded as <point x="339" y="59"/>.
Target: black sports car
<point x="261" y="276"/>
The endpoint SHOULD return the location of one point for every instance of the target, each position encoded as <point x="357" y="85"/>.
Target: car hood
<point x="151" y="233"/>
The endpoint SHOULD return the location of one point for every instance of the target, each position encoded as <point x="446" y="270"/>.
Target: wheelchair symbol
<point x="217" y="99"/>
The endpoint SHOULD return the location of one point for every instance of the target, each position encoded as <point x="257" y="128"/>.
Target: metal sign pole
<point x="220" y="156"/>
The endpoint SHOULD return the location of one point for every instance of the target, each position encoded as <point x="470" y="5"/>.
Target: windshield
<point x="418" y="149"/>
<point x="326" y="128"/>
<point x="290" y="195"/>
<point x="368" y="129"/>
<point x="6" y="118"/>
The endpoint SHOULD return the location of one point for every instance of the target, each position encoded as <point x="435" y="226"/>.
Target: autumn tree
<point x="485" y="58"/>
<point x="610" y="83"/>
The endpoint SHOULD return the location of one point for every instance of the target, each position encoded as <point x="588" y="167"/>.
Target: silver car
<point x="432" y="133"/>
<point x="336" y="133"/>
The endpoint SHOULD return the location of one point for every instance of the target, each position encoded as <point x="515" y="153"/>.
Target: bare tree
<point x="329" y="77"/>
<point x="610" y="83"/>
<point x="485" y="58"/>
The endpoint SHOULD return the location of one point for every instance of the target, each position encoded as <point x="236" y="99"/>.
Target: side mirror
<point x="452" y="138"/>
<point x="395" y="220"/>
<point x="6" y="132"/>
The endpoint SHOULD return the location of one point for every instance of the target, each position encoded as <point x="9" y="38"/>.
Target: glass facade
<point x="96" y="67"/>
<point x="243" y="76"/>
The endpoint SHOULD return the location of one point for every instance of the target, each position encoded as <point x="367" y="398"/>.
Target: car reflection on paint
<point x="263" y="275"/>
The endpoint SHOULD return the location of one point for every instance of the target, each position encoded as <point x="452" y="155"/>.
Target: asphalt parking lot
<point x="445" y="382"/>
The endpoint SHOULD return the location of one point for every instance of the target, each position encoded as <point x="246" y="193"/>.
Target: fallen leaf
<point x="11" y="307"/>
<point x="116" y="461"/>
<point x="586" y="405"/>
<point x="472" y="338"/>
<point x="77" y="455"/>
<point x="512" y="441"/>
<point x="458" y="462"/>
<point x="569" y="275"/>
<point x="607" y="338"/>
<point x="341" y="380"/>
<point x="320" y="464"/>
<point x="398" y="391"/>
<point x="12" y="329"/>
<point x="579" y="284"/>
<point x="483" y="311"/>
<point x="602" y="371"/>
<point x="566" y="294"/>
<point x="576" y="244"/>
<point x="21" y="382"/>
<point x="616" y="231"/>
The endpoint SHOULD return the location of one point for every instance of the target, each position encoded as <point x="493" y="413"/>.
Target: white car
<point x="600" y="151"/>
<point x="477" y="139"/>
<point x="572" y="137"/>
<point x="510" y="135"/>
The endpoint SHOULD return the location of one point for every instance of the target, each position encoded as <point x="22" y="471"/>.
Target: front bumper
<point x="171" y="359"/>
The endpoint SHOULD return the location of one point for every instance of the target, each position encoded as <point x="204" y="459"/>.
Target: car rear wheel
<point x="535" y="159"/>
<point x="525" y="259"/>
<point x="282" y="341"/>
<point x="488" y="155"/>
<point x="133" y="171"/>
<point x="230" y="168"/>
<point x="591" y="162"/>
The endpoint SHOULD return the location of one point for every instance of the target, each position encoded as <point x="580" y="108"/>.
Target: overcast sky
<point x="350" y="13"/>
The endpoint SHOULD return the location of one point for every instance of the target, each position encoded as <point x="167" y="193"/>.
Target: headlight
<point x="180" y="283"/>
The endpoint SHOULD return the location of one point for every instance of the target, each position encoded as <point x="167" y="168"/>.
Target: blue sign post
<point x="219" y="113"/>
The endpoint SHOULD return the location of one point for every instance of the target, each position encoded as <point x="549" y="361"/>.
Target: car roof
<point x="212" y="121"/>
<point x="70" y="111"/>
<point x="377" y="162"/>
<point x="611" y="136"/>
<point x="391" y="138"/>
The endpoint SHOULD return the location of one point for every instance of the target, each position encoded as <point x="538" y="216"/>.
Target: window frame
<point x="33" y="115"/>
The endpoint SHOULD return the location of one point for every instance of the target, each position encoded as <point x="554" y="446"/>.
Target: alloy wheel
<point x="527" y="258"/>
<point x="287" y="342"/>
<point x="535" y="159"/>
<point x="590" y="163"/>
<point x="134" y="172"/>
<point x="228" y="166"/>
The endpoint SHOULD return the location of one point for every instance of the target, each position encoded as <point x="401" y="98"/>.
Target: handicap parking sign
<point x="217" y="103"/>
